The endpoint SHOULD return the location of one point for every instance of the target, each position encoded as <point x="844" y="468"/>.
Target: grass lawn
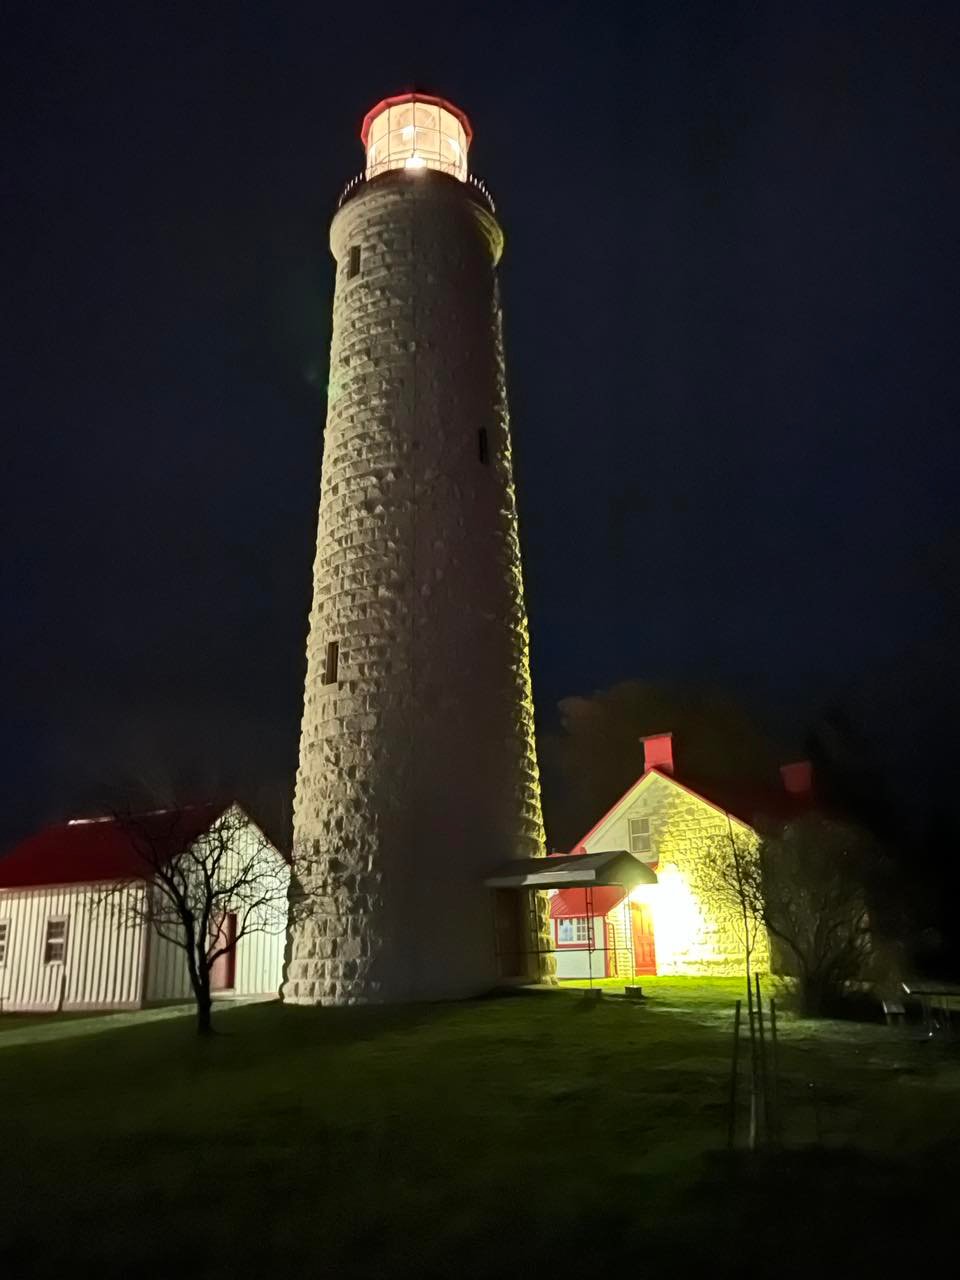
<point x="23" y="1021"/>
<point x="540" y="1134"/>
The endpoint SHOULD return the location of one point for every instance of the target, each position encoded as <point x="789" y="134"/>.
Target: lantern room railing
<point x="478" y="187"/>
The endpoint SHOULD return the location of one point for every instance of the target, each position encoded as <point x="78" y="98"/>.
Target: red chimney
<point x="658" y="752"/>
<point x="797" y="778"/>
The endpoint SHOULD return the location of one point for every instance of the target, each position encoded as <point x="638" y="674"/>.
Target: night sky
<point x="731" y="287"/>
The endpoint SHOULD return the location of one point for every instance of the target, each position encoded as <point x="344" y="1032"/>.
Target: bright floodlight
<point x="416" y="131"/>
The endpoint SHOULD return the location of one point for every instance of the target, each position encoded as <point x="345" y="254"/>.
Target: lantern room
<point x="416" y="131"/>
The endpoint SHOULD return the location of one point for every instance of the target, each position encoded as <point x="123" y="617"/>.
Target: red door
<point x="644" y="948"/>
<point x="224" y="969"/>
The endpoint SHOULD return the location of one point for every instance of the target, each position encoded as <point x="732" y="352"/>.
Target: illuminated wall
<point x="691" y="937"/>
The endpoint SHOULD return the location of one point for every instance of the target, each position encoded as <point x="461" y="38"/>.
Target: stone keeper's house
<point x="666" y="928"/>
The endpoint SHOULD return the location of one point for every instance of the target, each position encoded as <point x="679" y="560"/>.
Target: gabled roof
<point x="88" y="850"/>
<point x="581" y="846"/>
<point x="745" y="804"/>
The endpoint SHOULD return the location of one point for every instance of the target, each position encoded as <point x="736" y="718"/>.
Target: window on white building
<point x="574" y="929"/>
<point x="55" y="941"/>
<point x="639" y="835"/>
<point x="4" y="940"/>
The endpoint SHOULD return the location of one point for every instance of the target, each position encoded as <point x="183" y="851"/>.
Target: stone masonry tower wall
<point x="418" y="772"/>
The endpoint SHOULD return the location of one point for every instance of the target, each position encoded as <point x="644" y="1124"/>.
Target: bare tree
<point x="727" y="878"/>
<point x="805" y="882"/>
<point x="813" y="899"/>
<point x="198" y="866"/>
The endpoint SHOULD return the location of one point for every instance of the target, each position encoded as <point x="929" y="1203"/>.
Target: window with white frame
<point x="573" y="929"/>
<point x="4" y="940"/>
<point x="55" y="941"/>
<point x="639" y="835"/>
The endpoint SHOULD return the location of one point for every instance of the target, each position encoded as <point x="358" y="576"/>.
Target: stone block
<point x="418" y="775"/>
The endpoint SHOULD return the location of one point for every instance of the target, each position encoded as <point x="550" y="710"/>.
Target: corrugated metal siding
<point x="259" y="955"/>
<point x="260" y="960"/>
<point x="259" y="966"/>
<point x="167" y="976"/>
<point x="103" y="959"/>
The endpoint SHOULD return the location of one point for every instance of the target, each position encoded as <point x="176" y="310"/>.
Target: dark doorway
<point x="510" y="921"/>
<point x="224" y="971"/>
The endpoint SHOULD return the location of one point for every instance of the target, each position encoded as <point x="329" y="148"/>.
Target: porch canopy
<point x="578" y="870"/>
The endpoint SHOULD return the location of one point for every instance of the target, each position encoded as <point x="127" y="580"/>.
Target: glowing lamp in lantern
<point x="416" y="131"/>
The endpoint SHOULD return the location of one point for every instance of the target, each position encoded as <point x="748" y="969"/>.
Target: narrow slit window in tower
<point x="354" y="267"/>
<point x="483" y="447"/>
<point x="332" y="662"/>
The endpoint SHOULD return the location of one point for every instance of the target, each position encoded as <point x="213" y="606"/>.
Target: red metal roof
<point x="578" y="902"/>
<point x="87" y="851"/>
<point x="399" y="98"/>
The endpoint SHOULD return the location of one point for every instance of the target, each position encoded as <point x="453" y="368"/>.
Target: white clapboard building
<point x="73" y="933"/>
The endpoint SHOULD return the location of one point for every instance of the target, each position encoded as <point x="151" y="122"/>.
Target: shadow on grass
<point x="839" y="1203"/>
<point x="526" y="1134"/>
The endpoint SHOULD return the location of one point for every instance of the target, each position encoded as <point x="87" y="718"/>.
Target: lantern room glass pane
<point x="428" y="143"/>
<point x="417" y="135"/>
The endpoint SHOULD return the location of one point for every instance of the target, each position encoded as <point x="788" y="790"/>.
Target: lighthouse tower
<point x="418" y="773"/>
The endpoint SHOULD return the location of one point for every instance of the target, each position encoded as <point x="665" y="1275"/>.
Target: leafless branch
<point x="195" y="867"/>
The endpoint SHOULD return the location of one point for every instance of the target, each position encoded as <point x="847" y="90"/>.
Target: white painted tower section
<point x="418" y="772"/>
